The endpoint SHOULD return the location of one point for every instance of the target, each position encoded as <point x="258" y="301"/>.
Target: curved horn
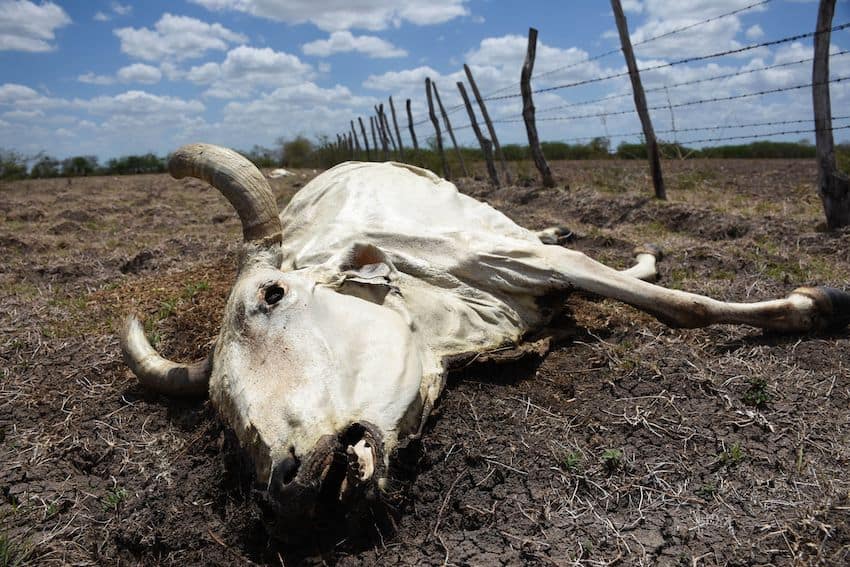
<point x="160" y="374"/>
<point x="238" y="180"/>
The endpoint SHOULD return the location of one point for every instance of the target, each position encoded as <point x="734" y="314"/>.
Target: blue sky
<point x="115" y="78"/>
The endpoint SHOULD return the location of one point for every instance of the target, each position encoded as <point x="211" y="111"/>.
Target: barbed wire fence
<point x="348" y="143"/>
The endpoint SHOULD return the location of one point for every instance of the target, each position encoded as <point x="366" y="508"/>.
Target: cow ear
<point x="366" y="263"/>
<point x="364" y="271"/>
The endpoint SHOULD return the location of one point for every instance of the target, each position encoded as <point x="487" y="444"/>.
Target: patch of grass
<point x="707" y="490"/>
<point x="571" y="462"/>
<point x="757" y="393"/>
<point x="612" y="460"/>
<point x="694" y="179"/>
<point x="113" y="499"/>
<point x="13" y="552"/>
<point x="194" y="288"/>
<point x="167" y="308"/>
<point x="733" y="455"/>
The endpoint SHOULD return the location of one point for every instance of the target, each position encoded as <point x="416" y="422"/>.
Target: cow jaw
<point x="317" y="385"/>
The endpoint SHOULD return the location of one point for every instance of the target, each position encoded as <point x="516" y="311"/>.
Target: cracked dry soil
<point x="628" y="443"/>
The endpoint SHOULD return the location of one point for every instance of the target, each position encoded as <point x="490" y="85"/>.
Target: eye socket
<point x="273" y="294"/>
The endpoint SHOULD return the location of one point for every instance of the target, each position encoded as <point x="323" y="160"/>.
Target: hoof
<point x="556" y="235"/>
<point x="652" y="249"/>
<point x="833" y="306"/>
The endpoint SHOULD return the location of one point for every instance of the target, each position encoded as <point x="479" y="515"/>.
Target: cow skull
<point x="349" y="307"/>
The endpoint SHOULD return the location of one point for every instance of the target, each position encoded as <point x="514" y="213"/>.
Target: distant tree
<point x="147" y="163"/>
<point x="600" y="145"/>
<point x="46" y="166"/>
<point x="13" y="165"/>
<point x="296" y="152"/>
<point x="79" y="166"/>
<point x="264" y="157"/>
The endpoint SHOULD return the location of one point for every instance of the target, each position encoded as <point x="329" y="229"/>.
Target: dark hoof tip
<point x="839" y="301"/>
<point x="650" y="248"/>
<point x="833" y="306"/>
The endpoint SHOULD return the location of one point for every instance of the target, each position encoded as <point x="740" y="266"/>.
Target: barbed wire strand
<point x="642" y="42"/>
<point x="702" y="128"/>
<point x="681" y="61"/>
<point x="765" y="135"/>
<point x="688" y="83"/>
<point x="668" y="106"/>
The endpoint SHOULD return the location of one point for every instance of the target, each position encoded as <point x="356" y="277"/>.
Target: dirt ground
<point x="629" y="443"/>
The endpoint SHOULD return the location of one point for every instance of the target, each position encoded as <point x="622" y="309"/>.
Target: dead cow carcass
<point x="349" y="306"/>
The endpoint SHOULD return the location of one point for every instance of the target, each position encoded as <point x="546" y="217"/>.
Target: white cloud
<point x="754" y="32"/>
<point x="632" y="6"/>
<point x="23" y="114"/>
<point x="26" y="26"/>
<point x="121" y="9"/>
<point x="139" y="104"/>
<point x="135" y="73"/>
<point x="117" y="9"/>
<point x="295" y="109"/>
<point x="406" y="80"/>
<point x="13" y="93"/>
<point x="345" y="41"/>
<point x="246" y="69"/>
<point x="334" y="15"/>
<point x="177" y="38"/>
<point x="663" y="16"/>
<point x="139" y="73"/>
<point x="93" y="79"/>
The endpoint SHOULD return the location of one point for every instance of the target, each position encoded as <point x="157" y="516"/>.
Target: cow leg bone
<point x="644" y="269"/>
<point x="805" y="309"/>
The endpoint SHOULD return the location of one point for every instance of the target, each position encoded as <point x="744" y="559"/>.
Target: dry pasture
<point x="629" y="443"/>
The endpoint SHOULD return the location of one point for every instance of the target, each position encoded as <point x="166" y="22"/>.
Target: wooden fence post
<point x="397" y="131"/>
<point x="356" y="139"/>
<point x="387" y="131"/>
<point x="833" y="186"/>
<point x="486" y="116"/>
<point x="374" y="135"/>
<point x="350" y="145"/>
<point x="382" y="134"/>
<point x="365" y="138"/>
<point x="528" y="111"/>
<point x="410" y="126"/>
<point x="449" y="128"/>
<point x="436" y="123"/>
<point x="486" y="146"/>
<point x="640" y="101"/>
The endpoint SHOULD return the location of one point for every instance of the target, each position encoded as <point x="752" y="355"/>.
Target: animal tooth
<point x="365" y="459"/>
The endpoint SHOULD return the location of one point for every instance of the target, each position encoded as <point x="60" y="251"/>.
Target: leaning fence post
<point x="486" y="146"/>
<point x="374" y="135"/>
<point x="449" y="128"/>
<point x="350" y="145"/>
<point x="833" y="186"/>
<point x="365" y="138"/>
<point x="387" y="131"/>
<point x="410" y="126"/>
<point x="436" y="124"/>
<point x="382" y="132"/>
<point x="356" y="139"/>
<point x="640" y="101"/>
<point x="397" y="131"/>
<point x="486" y="116"/>
<point x="528" y="111"/>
